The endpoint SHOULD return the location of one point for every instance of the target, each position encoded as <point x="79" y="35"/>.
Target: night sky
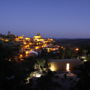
<point x="51" y="18"/>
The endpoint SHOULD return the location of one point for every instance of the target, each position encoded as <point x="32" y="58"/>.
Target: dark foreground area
<point x="13" y="76"/>
<point x="32" y="72"/>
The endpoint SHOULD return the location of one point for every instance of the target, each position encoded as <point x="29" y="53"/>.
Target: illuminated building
<point x="63" y="64"/>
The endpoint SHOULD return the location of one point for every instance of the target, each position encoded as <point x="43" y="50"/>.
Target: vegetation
<point x="84" y="75"/>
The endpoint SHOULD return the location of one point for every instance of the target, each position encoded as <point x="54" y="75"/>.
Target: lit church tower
<point x="38" y="36"/>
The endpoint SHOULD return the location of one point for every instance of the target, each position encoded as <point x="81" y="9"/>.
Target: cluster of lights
<point x="34" y="44"/>
<point x="5" y="40"/>
<point x="84" y="58"/>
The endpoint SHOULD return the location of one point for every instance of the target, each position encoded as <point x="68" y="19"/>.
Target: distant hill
<point x="74" y="42"/>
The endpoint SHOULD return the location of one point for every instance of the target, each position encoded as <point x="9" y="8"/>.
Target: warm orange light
<point x="20" y="37"/>
<point x="27" y="39"/>
<point x="52" y="67"/>
<point x="48" y="50"/>
<point x="6" y="40"/>
<point x="50" y="40"/>
<point x="30" y="43"/>
<point x="40" y="39"/>
<point x="76" y="49"/>
<point x="27" y="52"/>
<point x="37" y="47"/>
<point x="62" y="48"/>
<point x="20" y="56"/>
<point x="44" y="45"/>
<point x="53" y="49"/>
<point x="26" y="46"/>
<point x="24" y="43"/>
<point x="17" y="39"/>
<point x="37" y="37"/>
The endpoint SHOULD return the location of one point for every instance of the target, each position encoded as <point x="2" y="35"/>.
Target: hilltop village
<point x="31" y="46"/>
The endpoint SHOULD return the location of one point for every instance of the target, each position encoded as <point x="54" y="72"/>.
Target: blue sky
<point x="51" y="18"/>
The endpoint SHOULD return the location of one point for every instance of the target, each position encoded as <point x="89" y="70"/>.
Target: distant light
<point x="20" y="56"/>
<point x="85" y="60"/>
<point x="9" y="60"/>
<point x="27" y="52"/>
<point x="37" y="47"/>
<point x="6" y="40"/>
<point x="76" y="49"/>
<point x="24" y="43"/>
<point x="83" y="57"/>
<point x="27" y="38"/>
